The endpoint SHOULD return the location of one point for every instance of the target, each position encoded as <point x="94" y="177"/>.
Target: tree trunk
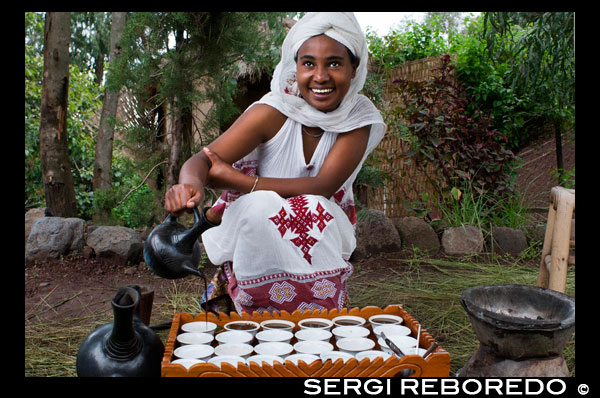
<point x="54" y="149"/>
<point x="104" y="140"/>
<point x="175" y="152"/>
<point x="99" y="67"/>
<point x="558" y="125"/>
<point x="176" y="130"/>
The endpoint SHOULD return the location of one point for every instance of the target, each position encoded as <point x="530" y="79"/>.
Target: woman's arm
<point x="258" y="124"/>
<point x="342" y="160"/>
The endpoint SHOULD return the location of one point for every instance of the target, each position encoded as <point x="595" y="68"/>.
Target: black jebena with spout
<point x="125" y="347"/>
<point x="172" y="251"/>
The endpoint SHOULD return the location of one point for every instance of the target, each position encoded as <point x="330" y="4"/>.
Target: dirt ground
<point x="76" y="286"/>
<point x="535" y="178"/>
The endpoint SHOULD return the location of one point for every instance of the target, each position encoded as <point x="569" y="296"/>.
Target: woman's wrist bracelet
<point x="254" y="186"/>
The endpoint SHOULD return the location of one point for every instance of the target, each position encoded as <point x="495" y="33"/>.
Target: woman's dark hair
<point x="353" y="58"/>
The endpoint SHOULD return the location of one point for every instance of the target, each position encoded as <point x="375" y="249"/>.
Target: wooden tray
<point x="436" y="365"/>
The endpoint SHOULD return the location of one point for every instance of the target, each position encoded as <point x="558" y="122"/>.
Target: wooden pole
<point x="544" y="274"/>
<point x="557" y="239"/>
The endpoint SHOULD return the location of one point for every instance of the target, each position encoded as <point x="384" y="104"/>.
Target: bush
<point x="465" y="150"/>
<point x="139" y="209"/>
<point x="486" y="85"/>
<point x="419" y="40"/>
<point x="130" y="204"/>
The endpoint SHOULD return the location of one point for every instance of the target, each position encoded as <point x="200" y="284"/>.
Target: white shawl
<point x="355" y="110"/>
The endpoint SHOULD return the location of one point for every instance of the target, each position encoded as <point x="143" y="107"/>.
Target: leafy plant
<point x="34" y="62"/>
<point x="568" y="177"/>
<point x="140" y="208"/>
<point x="465" y="150"/>
<point x="511" y="212"/>
<point x="416" y="41"/>
<point x="465" y="207"/>
<point x="420" y="208"/>
<point x="129" y="201"/>
<point x="540" y="49"/>
<point x="488" y="88"/>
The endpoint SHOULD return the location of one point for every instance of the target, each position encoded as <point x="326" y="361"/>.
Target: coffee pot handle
<point x="197" y="217"/>
<point x="172" y="219"/>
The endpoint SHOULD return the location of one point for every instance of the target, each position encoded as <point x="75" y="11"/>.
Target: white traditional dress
<point x="292" y="253"/>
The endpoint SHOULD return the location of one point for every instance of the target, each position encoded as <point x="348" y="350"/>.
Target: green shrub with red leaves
<point x="466" y="150"/>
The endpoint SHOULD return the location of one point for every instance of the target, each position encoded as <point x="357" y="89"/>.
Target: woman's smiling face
<point x="324" y="72"/>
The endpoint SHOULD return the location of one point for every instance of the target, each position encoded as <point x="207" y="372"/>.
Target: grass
<point x="427" y="287"/>
<point x="51" y="347"/>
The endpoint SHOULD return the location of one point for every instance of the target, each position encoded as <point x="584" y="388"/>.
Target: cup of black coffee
<point x="244" y="326"/>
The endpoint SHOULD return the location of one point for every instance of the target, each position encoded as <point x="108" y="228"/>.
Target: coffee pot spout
<point x="193" y="271"/>
<point x="186" y="239"/>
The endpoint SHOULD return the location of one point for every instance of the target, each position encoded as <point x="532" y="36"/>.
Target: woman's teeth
<point x="322" y="91"/>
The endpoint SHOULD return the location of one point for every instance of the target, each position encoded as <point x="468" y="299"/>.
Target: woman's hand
<point x="183" y="197"/>
<point x="221" y="175"/>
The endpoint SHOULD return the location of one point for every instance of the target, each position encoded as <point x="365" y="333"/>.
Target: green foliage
<point x="420" y="207"/>
<point x="464" y="206"/>
<point x="486" y="84"/>
<point x="464" y="149"/>
<point x="511" y="212"/>
<point x="139" y="209"/>
<point x="172" y="62"/>
<point x="539" y="51"/>
<point x="370" y="176"/>
<point x="34" y="33"/>
<point x="83" y="102"/>
<point x="90" y="41"/>
<point x="212" y="44"/>
<point x="508" y="111"/>
<point x="34" y="64"/>
<point x="527" y="80"/>
<point x="415" y="42"/>
<point x="568" y="177"/>
<point x="128" y="201"/>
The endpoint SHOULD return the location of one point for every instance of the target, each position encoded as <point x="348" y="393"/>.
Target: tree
<point x="448" y="21"/>
<point x="104" y="139"/>
<point x="181" y="113"/>
<point x="541" y="49"/>
<point x="54" y="151"/>
<point x="90" y="42"/>
<point x="172" y="62"/>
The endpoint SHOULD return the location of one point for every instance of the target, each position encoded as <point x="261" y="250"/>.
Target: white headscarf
<point x="355" y="110"/>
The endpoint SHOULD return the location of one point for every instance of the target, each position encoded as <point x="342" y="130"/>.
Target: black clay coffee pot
<point x="125" y="347"/>
<point x="172" y="251"/>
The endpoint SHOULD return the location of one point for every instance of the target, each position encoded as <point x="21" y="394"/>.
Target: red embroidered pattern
<point x="301" y="223"/>
<point x="289" y="292"/>
<point x="347" y="206"/>
<point x="247" y="167"/>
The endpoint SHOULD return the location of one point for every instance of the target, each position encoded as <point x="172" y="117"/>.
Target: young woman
<point x="286" y="216"/>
